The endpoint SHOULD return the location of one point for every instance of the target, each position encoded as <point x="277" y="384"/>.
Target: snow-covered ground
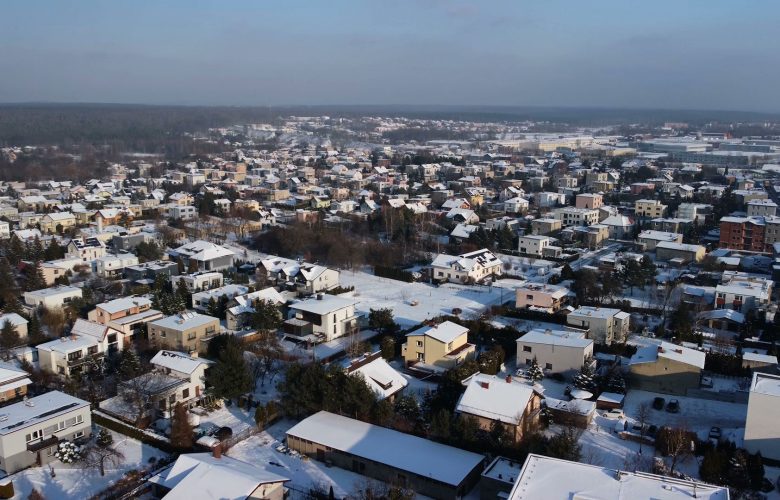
<point x="373" y="292"/>
<point x="238" y="419"/>
<point x="71" y="481"/>
<point x="304" y="473"/>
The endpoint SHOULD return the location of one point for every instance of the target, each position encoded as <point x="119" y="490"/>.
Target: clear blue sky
<point x="712" y="54"/>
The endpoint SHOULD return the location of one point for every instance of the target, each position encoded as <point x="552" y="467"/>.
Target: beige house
<point x="125" y="314"/>
<point x="489" y="399"/>
<point x="666" y="368"/>
<point x="443" y="346"/>
<point x="13" y="382"/>
<point x="649" y="208"/>
<point x="18" y="322"/>
<point x="605" y="325"/>
<point x="188" y="331"/>
<point x="649" y="239"/>
<point x="541" y="297"/>
<point x="57" y="222"/>
<point x="681" y="252"/>
<point x="533" y="245"/>
<point x="589" y="200"/>
<point x="761" y="430"/>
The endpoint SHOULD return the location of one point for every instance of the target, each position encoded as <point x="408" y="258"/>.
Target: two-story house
<point x="83" y="351"/>
<point x="31" y="430"/>
<point x="86" y="249"/>
<point x="208" y="256"/>
<point x="468" y="267"/>
<point x="555" y="351"/>
<point x="242" y="307"/>
<point x="52" y="298"/>
<point x="324" y="316"/>
<point x="443" y="346"/>
<point x="13" y="382"/>
<point x="605" y="325"/>
<point x="125" y="314"/>
<point x="188" y="331"/>
<point x="541" y="297"/>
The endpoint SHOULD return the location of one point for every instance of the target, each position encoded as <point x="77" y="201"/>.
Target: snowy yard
<point x="304" y="473"/>
<point x="373" y="292"/>
<point x="238" y="419"/>
<point x="71" y="481"/>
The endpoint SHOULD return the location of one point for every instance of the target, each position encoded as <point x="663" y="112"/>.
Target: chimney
<point x="660" y="349"/>
<point x="485" y="385"/>
<point x="509" y="379"/>
<point x="216" y="451"/>
<point x="319" y="296"/>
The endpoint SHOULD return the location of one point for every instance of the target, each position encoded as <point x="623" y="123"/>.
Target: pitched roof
<point x="494" y="398"/>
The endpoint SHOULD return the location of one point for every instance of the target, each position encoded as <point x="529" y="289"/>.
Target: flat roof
<point x="325" y="305"/>
<point x="565" y="338"/>
<point x="556" y="479"/>
<point x="37" y="409"/>
<point x="392" y="448"/>
<point x="184" y="321"/>
<point x="766" y="383"/>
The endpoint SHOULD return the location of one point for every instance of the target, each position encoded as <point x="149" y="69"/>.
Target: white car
<point x="614" y="413"/>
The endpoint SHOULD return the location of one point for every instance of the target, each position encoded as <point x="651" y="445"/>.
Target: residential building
<point x="57" y="222"/>
<point x="302" y="277"/>
<point x="697" y="212"/>
<point x="605" y="325"/>
<point x="649" y="239"/>
<point x="516" y="205"/>
<point x="193" y="475"/>
<point x="743" y="233"/>
<point x="743" y="292"/>
<point x="175" y="378"/>
<point x="545" y="226"/>
<point x="324" y="316"/>
<point x="441" y="347"/>
<point x="589" y="200"/>
<point x="492" y="400"/>
<point x="242" y="307"/>
<point x="111" y="266"/>
<point x="17" y="321"/>
<point x="13" y="383"/>
<point x="188" y="331"/>
<point x="381" y="378"/>
<point x="54" y="269"/>
<point x="682" y="253"/>
<point x="650" y="209"/>
<point x="466" y="268"/>
<point x="125" y="314"/>
<point x="208" y="256"/>
<point x="31" y="430"/>
<point x="199" y="281"/>
<point x="761" y="208"/>
<point x="533" y="245"/>
<point x="148" y="271"/>
<point x="52" y="298"/>
<point x="762" y="433"/>
<point x="86" y="249"/>
<point x="555" y="351"/>
<point x="83" y="351"/>
<point x="556" y="479"/>
<point x="572" y="216"/>
<point x="498" y="478"/>
<point x="426" y="467"/>
<point x="666" y="368"/>
<point x="541" y="297"/>
<point x="201" y="300"/>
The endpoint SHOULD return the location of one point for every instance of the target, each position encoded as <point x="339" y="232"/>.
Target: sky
<point x="664" y="54"/>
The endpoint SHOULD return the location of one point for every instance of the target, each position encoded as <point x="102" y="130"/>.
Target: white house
<point x="52" y="298"/>
<point x="112" y="265"/>
<point x="604" y="324"/>
<point x="86" y="249"/>
<point x="473" y="266"/>
<point x="384" y="380"/>
<point x="761" y="430"/>
<point x="208" y="256"/>
<point x="31" y="430"/>
<point x="325" y="316"/>
<point x="533" y="245"/>
<point x="556" y="351"/>
<point x="84" y="350"/>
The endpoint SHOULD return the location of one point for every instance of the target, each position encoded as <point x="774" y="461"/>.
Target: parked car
<point x="673" y="406"/>
<point x="614" y="413"/>
<point x="715" y="433"/>
<point x="658" y="403"/>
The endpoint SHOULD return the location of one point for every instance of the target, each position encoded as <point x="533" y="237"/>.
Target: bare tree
<point x="97" y="457"/>
<point x="678" y="443"/>
<point x="266" y="356"/>
<point x="139" y="393"/>
<point x="643" y="413"/>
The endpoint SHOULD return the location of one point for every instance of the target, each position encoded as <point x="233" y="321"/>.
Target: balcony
<point x="42" y="443"/>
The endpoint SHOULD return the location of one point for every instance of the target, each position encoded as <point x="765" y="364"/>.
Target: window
<point x="34" y="435"/>
<point x="419" y="343"/>
<point x="79" y="419"/>
<point x="172" y="398"/>
<point x="92" y="350"/>
<point x="185" y="393"/>
<point x="78" y="434"/>
<point x="528" y="361"/>
<point x="548" y="366"/>
<point x="420" y="356"/>
<point x="529" y="297"/>
<point x="526" y="348"/>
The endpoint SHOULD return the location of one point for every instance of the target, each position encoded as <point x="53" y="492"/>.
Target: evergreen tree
<point x="35" y="279"/>
<point x="192" y="266"/>
<point x="230" y="376"/>
<point x="8" y="288"/>
<point x="535" y="372"/>
<point x="16" y="251"/>
<point x="180" y="264"/>
<point x="584" y="379"/>
<point x="267" y="316"/>
<point x="9" y="338"/>
<point x="35" y="250"/>
<point x="184" y="293"/>
<point x="130" y="366"/>
<point x="565" y="446"/>
<point x="382" y="320"/>
<point x="616" y="383"/>
<point x="34" y="333"/>
<point x="13" y="305"/>
<point x="104" y="438"/>
<point x="181" y="429"/>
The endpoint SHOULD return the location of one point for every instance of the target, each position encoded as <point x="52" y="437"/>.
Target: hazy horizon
<point x="616" y="54"/>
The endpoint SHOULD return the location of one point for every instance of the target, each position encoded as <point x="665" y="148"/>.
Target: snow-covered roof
<point x="669" y="351"/>
<point x="765" y="383"/>
<point x="323" y="304"/>
<point x="37" y="409"/>
<point x="184" y="321"/>
<point x="382" y="378"/>
<point x="200" y="475"/>
<point x="123" y="304"/>
<point x="203" y="251"/>
<point x="763" y="358"/>
<point x="444" y="332"/>
<point x="556" y="479"/>
<point x="90" y="329"/>
<point x="495" y="398"/>
<point x="385" y="446"/>
<point x="729" y="314"/>
<point x="565" y="338"/>
<point x="178" y="361"/>
<point x="12" y="318"/>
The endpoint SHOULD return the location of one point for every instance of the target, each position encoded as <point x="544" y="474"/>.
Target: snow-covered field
<point x="71" y="481"/>
<point x="372" y="292"/>
<point x="304" y="473"/>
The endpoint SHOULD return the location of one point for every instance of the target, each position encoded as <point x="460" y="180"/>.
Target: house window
<point x="92" y="350"/>
<point x="34" y="435"/>
<point x="78" y="434"/>
<point x="172" y="398"/>
<point x="79" y="419"/>
<point x="185" y="393"/>
<point x="526" y="348"/>
<point x="420" y="356"/>
<point x="548" y="366"/>
<point x="419" y="343"/>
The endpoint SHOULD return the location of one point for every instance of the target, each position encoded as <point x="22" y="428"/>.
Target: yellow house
<point x="51" y="223"/>
<point x="443" y="346"/>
